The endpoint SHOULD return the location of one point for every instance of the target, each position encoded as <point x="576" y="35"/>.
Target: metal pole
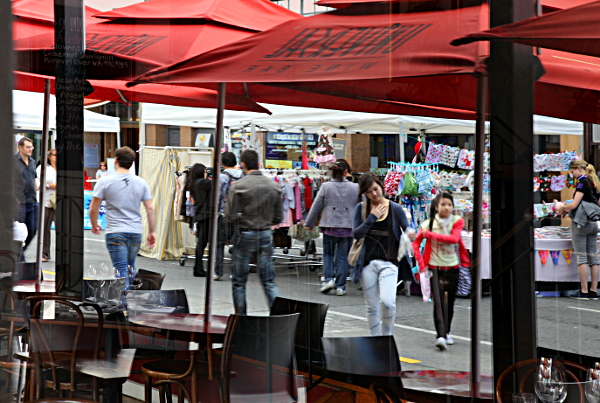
<point x="214" y="217"/>
<point x="44" y="157"/>
<point x="482" y="83"/>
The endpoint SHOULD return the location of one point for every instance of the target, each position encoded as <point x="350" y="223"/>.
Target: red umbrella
<point x="547" y="5"/>
<point x="116" y="91"/>
<point x="572" y="30"/>
<point x="124" y="48"/>
<point x="411" y="61"/>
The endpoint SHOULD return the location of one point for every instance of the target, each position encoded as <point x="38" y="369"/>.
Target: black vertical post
<point x="8" y="203"/>
<point x="69" y="29"/>
<point x="511" y="110"/>
<point x="214" y="217"/>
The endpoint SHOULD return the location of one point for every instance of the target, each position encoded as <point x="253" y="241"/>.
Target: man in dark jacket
<point x="254" y="205"/>
<point x="27" y="187"/>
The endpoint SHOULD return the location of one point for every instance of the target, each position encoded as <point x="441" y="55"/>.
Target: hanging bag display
<point x="410" y="185"/>
<point x="423" y="178"/>
<point x="357" y="244"/>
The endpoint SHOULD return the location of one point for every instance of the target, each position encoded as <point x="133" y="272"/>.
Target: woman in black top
<point x="200" y="188"/>
<point x="584" y="238"/>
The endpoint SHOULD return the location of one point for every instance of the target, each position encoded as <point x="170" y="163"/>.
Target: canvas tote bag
<point x="357" y="244"/>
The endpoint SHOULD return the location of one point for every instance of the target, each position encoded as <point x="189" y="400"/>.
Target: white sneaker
<point x="441" y="343"/>
<point x="217" y="277"/>
<point x="329" y="285"/>
<point x="340" y="291"/>
<point x="322" y="279"/>
<point x="449" y="340"/>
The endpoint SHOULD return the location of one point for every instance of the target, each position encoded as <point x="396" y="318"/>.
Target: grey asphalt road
<point x="564" y="324"/>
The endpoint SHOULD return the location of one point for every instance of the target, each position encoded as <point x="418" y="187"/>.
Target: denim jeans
<point x="28" y="215"/>
<point x="335" y="259"/>
<point x="123" y="249"/>
<point x="378" y="280"/>
<point x="246" y="244"/>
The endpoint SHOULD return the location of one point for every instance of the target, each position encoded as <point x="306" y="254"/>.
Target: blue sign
<point x="87" y="200"/>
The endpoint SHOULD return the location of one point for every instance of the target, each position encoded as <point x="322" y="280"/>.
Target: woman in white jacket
<point x="335" y="201"/>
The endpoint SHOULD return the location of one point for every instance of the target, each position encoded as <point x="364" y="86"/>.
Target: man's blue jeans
<point x="246" y="244"/>
<point x="123" y="249"/>
<point x="335" y="259"/>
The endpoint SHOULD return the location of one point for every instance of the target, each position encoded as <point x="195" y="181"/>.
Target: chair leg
<point x="147" y="389"/>
<point x="162" y="392"/>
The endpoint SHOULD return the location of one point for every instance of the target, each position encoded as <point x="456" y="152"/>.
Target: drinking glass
<point x="592" y="386"/>
<point x="550" y="380"/>
<point x="523" y="398"/>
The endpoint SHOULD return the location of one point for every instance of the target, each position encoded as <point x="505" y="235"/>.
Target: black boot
<point x="200" y="272"/>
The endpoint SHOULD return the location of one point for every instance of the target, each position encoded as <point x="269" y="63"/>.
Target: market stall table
<point x="564" y="271"/>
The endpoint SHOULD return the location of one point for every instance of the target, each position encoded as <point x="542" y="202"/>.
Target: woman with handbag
<point x="335" y="202"/>
<point x="442" y="236"/>
<point x="49" y="210"/>
<point x="379" y="223"/>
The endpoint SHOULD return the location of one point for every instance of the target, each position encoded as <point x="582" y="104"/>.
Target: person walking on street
<point x="255" y="204"/>
<point x="27" y="187"/>
<point x="377" y="267"/>
<point x="442" y="236"/>
<point x="228" y="177"/>
<point x="335" y="201"/>
<point x="583" y="238"/>
<point x="49" y="211"/>
<point x="123" y="193"/>
<point x="200" y="187"/>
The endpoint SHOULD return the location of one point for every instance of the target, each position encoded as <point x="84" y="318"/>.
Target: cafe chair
<point x="311" y="325"/>
<point x="9" y="330"/>
<point x="527" y="369"/>
<point x="251" y="344"/>
<point x="151" y="344"/>
<point x="147" y="280"/>
<point x="364" y="360"/>
<point x="59" y="339"/>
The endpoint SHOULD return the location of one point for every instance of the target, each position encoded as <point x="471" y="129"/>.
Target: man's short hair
<point x="23" y="140"/>
<point x="125" y="157"/>
<point x="228" y="159"/>
<point x="250" y="159"/>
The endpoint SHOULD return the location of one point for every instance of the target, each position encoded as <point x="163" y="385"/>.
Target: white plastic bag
<point x="425" y="284"/>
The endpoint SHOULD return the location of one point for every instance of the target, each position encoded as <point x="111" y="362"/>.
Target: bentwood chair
<point x="384" y="393"/>
<point x="148" y="280"/>
<point x="58" y="400"/>
<point x="58" y="342"/>
<point x="252" y="344"/>
<point x="528" y="368"/>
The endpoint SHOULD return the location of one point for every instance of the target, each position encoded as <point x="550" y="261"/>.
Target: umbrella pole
<point x="482" y="83"/>
<point x="42" y="190"/>
<point x="214" y="214"/>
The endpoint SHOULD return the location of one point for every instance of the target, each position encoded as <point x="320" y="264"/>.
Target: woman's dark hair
<point x="338" y="168"/>
<point x="365" y="182"/>
<point x="52" y="151"/>
<point x="196" y="172"/>
<point x="435" y="203"/>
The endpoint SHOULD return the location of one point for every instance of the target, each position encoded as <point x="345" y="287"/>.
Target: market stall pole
<point x="213" y="230"/>
<point x="42" y="191"/>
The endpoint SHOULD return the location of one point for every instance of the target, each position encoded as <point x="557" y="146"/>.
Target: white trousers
<point x="378" y="280"/>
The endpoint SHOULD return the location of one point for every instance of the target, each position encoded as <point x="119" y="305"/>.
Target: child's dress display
<point x="324" y="153"/>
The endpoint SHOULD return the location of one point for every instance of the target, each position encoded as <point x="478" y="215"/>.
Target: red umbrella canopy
<point x="333" y="54"/>
<point x="333" y="46"/>
<point x="547" y="5"/>
<point x="116" y="91"/>
<point x="125" y="48"/>
<point x="572" y="30"/>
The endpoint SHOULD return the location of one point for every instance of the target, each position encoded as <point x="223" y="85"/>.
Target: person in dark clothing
<point x="200" y="188"/>
<point x="27" y="187"/>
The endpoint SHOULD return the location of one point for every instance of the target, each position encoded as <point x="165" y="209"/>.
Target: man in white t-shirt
<point x="123" y="193"/>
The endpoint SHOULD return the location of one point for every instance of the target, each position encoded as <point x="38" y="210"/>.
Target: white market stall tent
<point x="28" y="109"/>
<point x="293" y="119"/>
